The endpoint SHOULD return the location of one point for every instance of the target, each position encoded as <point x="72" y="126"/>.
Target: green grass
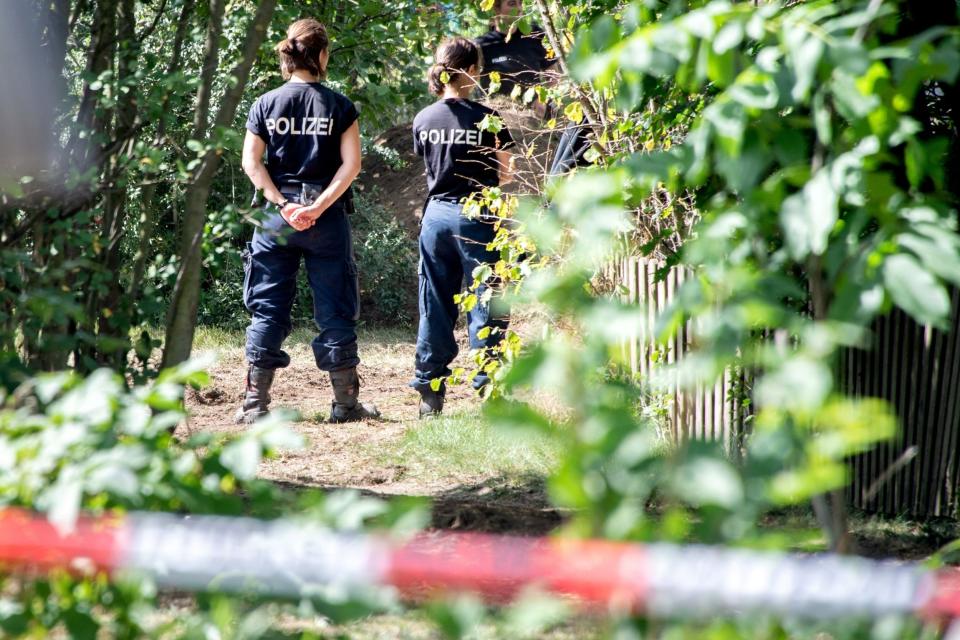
<point x="209" y="337"/>
<point x="465" y="445"/>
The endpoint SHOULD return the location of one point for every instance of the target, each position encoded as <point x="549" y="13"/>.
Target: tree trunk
<point x="37" y="351"/>
<point x="148" y="208"/>
<point x="182" y="317"/>
<point x="211" y="58"/>
<point x="112" y="311"/>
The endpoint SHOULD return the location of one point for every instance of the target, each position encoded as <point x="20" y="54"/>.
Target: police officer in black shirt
<point x="522" y="59"/>
<point x="518" y="58"/>
<point x="312" y="142"/>
<point x="460" y="160"/>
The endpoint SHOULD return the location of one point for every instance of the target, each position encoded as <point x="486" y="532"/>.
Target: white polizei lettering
<point x="451" y="136"/>
<point x="305" y="126"/>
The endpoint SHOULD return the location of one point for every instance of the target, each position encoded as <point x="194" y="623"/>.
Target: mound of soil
<point x="401" y="191"/>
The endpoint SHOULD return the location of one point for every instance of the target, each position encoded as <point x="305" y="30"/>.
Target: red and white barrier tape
<point x="289" y="559"/>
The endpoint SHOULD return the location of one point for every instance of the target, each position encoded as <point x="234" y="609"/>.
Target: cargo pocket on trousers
<point x="246" y="256"/>
<point x="351" y="294"/>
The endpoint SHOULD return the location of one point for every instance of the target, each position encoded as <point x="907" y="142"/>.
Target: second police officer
<point x="460" y="160"/>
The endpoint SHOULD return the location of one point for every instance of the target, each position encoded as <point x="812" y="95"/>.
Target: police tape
<point x="289" y="559"/>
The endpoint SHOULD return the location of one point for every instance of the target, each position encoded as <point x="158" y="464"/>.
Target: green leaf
<point x="491" y="123"/>
<point x="916" y="290"/>
<point x="242" y="457"/>
<point x="574" y="111"/>
<point x="805" y="59"/>
<point x="800" y="384"/>
<point x="808" y="217"/>
<point x="822" y="119"/>
<point x="939" y="253"/>
<point x="729" y="37"/>
<point x="457" y="617"/>
<point x="705" y="480"/>
<point x="756" y="91"/>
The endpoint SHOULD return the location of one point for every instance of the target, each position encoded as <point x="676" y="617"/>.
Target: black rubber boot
<point x="346" y="405"/>
<point x="431" y="402"/>
<point x="256" y="401"/>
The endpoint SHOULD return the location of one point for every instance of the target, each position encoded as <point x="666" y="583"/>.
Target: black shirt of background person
<point x="460" y="159"/>
<point x="521" y="60"/>
<point x="302" y="123"/>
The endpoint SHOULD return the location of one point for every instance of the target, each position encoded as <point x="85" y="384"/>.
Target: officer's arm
<point x="348" y="171"/>
<point x="253" y="148"/>
<point x="505" y="163"/>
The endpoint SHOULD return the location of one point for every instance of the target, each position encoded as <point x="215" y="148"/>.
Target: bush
<point x="387" y="260"/>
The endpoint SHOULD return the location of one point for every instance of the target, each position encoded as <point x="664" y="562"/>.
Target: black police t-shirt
<point x="519" y="60"/>
<point x="302" y="123"/>
<point x="460" y="159"/>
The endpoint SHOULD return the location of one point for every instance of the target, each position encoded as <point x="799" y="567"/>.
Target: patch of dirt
<point x="349" y="455"/>
<point x="401" y="191"/>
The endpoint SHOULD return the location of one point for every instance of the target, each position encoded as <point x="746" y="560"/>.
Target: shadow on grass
<point x="498" y="505"/>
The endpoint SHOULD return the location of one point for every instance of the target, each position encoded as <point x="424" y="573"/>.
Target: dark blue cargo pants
<point x="270" y="284"/>
<point x="451" y="246"/>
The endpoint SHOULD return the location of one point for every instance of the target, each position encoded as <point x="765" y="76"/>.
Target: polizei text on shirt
<point x="451" y="136"/>
<point x="305" y="126"/>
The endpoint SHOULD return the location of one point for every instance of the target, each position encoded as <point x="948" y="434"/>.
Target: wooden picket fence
<point x="706" y="413"/>
<point x="915" y="368"/>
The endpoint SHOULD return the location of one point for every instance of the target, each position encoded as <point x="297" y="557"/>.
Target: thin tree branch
<point x="153" y="25"/>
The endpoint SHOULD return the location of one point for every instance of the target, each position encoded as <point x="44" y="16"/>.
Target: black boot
<point x="431" y="402"/>
<point x="346" y="405"/>
<point x="256" y="401"/>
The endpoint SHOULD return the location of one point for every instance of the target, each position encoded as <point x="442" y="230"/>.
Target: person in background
<point x="522" y="60"/>
<point x="518" y="58"/>
<point x="312" y="141"/>
<point x="460" y="160"/>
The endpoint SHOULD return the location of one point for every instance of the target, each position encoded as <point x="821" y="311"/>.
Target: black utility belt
<point x="301" y="192"/>
<point x="306" y="193"/>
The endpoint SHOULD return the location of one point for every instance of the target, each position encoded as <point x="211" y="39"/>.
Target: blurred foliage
<point x="814" y="147"/>
<point x="69" y="443"/>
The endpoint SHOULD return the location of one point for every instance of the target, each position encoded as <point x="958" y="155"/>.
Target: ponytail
<point x="306" y="40"/>
<point x="453" y="57"/>
<point x="435" y="79"/>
